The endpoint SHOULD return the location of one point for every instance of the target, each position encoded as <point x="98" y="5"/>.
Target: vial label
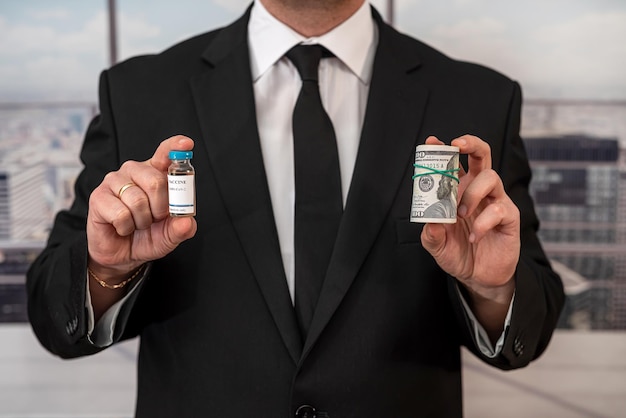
<point x="182" y="194"/>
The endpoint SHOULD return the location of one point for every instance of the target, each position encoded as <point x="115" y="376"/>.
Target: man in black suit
<point x="212" y="298"/>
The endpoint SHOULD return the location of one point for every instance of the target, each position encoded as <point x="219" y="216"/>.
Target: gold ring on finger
<point x="124" y="188"/>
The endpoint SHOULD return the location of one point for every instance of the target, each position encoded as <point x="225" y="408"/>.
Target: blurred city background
<point x="567" y="55"/>
<point x="575" y="136"/>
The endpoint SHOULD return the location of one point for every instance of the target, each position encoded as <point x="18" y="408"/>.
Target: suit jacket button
<point x="71" y="326"/>
<point x="305" y="411"/>
<point x="518" y="347"/>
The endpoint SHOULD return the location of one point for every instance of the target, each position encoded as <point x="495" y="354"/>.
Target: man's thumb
<point x="433" y="238"/>
<point x="181" y="229"/>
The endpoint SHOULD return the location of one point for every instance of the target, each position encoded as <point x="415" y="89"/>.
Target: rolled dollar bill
<point x="435" y="184"/>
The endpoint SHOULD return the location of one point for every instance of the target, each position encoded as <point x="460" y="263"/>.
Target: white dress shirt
<point x="344" y="85"/>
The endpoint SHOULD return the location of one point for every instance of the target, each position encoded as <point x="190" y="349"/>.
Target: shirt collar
<point x="353" y="41"/>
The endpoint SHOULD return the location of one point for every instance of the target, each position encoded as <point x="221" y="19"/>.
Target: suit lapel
<point x="395" y="106"/>
<point x="225" y="103"/>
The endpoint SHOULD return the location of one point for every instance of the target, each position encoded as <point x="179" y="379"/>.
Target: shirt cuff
<point x="480" y="335"/>
<point x="101" y="334"/>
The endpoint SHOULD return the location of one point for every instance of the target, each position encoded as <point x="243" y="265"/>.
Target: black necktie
<point x="318" y="184"/>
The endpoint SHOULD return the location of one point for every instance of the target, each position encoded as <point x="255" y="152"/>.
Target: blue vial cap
<point x="181" y="155"/>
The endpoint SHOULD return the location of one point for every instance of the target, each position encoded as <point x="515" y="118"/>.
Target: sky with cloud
<point x="555" y="48"/>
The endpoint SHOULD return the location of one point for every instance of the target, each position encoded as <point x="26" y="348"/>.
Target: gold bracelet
<point x="118" y="285"/>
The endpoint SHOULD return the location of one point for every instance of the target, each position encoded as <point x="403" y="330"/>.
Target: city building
<point x="39" y="146"/>
<point x="15" y="258"/>
<point x="577" y="191"/>
<point x="23" y="205"/>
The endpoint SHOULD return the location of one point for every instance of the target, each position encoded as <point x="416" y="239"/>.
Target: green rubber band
<point x="429" y="170"/>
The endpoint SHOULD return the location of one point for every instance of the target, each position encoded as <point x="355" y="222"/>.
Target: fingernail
<point x="472" y="238"/>
<point x="462" y="211"/>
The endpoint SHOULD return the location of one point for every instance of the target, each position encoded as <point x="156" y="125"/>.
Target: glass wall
<point x="575" y="124"/>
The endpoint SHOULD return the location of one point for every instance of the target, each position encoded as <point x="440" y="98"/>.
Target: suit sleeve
<point x="56" y="280"/>
<point x="539" y="294"/>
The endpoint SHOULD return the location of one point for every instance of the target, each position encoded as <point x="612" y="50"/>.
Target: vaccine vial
<point x="181" y="184"/>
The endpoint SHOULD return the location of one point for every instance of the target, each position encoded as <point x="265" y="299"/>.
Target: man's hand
<point x="128" y="222"/>
<point x="482" y="249"/>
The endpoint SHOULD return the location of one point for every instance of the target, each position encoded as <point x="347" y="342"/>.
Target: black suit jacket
<point x="218" y="331"/>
